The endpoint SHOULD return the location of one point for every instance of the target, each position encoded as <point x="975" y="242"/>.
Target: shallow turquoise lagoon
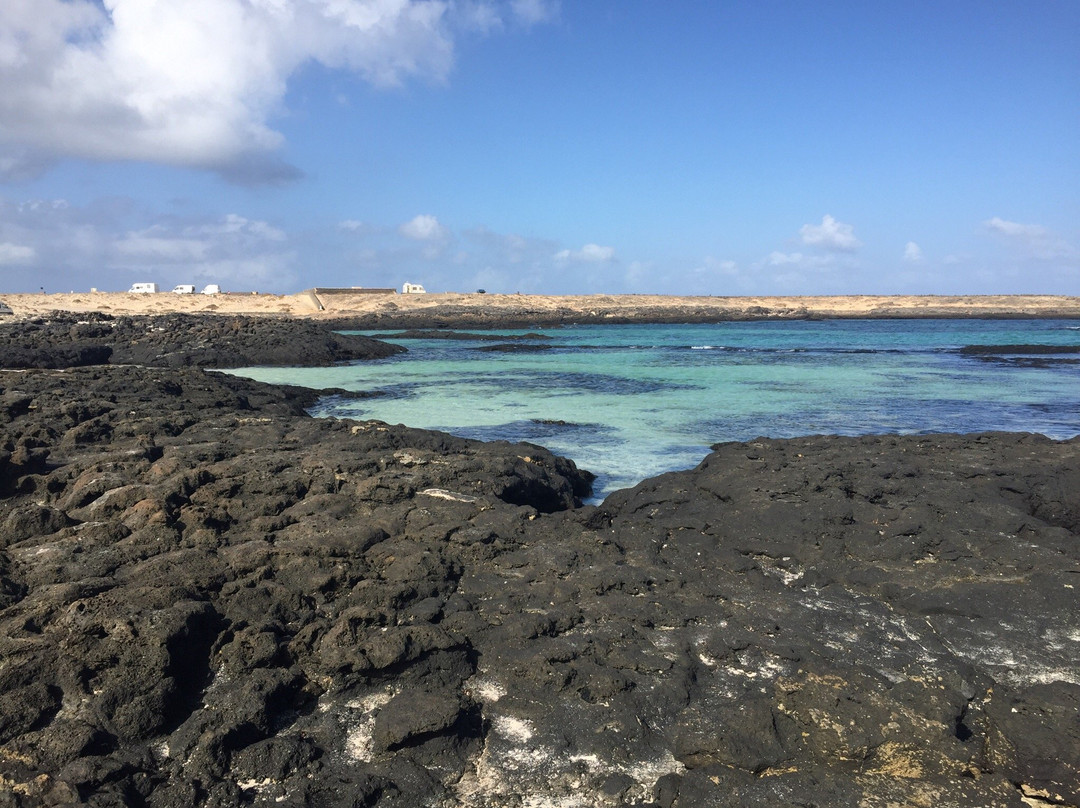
<point x="630" y="402"/>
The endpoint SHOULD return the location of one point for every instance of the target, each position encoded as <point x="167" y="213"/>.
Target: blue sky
<point x="536" y="146"/>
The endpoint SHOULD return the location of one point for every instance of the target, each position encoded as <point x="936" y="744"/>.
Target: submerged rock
<point x="208" y="597"/>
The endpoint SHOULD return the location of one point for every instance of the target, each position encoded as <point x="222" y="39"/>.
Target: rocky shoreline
<point x="179" y="340"/>
<point x="208" y="597"/>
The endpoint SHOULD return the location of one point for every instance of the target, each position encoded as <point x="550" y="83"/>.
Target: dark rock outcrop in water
<point x="513" y="347"/>
<point x="209" y="598"/>
<point x="179" y="340"/>
<point x="1033" y="356"/>
<point x="459" y="335"/>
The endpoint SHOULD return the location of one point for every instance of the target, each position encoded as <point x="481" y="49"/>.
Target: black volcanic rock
<point x="179" y="340"/>
<point x="217" y="584"/>
<point x="1018" y="350"/>
<point x="209" y="598"/>
<point x="55" y="356"/>
<point x="528" y="315"/>
<point x="513" y="347"/>
<point x="459" y="335"/>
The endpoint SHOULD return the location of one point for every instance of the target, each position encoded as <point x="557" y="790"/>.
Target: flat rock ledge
<point x="209" y="598"/>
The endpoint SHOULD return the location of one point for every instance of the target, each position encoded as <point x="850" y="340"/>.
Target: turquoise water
<point x="630" y="402"/>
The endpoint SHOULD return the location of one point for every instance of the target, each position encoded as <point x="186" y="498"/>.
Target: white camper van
<point x="143" y="288"/>
<point x="184" y="289"/>
<point x="412" y="289"/>
<point x="211" y="289"/>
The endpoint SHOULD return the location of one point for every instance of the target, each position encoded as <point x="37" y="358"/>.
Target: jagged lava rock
<point x="208" y="597"/>
<point x="179" y="340"/>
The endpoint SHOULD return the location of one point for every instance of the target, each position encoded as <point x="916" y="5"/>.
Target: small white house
<point x="184" y="289"/>
<point x="143" y="288"/>
<point x="412" y="289"/>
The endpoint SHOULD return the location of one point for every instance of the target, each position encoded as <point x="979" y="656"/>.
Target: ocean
<point x="629" y="402"/>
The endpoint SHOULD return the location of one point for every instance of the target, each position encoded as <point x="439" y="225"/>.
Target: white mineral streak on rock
<point x="407" y="458"/>
<point x="487" y="691"/>
<point x="516" y="729"/>
<point x="442" y="493"/>
<point x="359" y="721"/>
<point x="517" y="768"/>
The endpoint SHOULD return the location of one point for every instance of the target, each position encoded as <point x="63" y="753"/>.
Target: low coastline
<point x="501" y="310"/>
<point x="207" y="596"/>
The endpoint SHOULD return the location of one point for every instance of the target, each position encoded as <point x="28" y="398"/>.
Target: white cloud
<point x="112" y="242"/>
<point x="913" y="252"/>
<point x="423" y="228"/>
<point x="197" y="245"/>
<point x="194" y="83"/>
<point x="235" y="224"/>
<point x="590" y="253"/>
<point x="1034" y="239"/>
<point x="531" y="12"/>
<point x="830" y="235"/>
<point x="16" y="254"/>
<point x="355" y="226"/>
<point x="146" y="246"/>
<point x="779" y="259"/>
<point x="232" y="251"/>
<point x="1015" y="229"/>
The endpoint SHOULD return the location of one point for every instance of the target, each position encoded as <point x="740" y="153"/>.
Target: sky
<point x="584" y="146"/>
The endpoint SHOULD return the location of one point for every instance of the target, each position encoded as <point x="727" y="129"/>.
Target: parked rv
<point x="211" y="289"/>
<point x="412" y="289"/>
<point x="143" y="288"/>
<point x="184" y="289"/>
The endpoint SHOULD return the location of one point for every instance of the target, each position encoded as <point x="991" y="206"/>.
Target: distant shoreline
<point x="362" y="309"/>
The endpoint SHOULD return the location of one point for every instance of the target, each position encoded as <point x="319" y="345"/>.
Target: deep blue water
<point x="629" y="402"/>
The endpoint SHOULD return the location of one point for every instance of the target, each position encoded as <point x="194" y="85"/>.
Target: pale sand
<point x="336" y="305"/>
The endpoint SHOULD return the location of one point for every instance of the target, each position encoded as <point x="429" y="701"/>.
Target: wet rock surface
<point x="209" y="598"/>
<point x="179" y="340"/>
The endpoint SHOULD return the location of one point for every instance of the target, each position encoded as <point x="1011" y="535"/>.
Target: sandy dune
<point x="345" y="304"/>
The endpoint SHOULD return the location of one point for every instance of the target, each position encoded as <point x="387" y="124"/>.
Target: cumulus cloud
<point x="195" y="83"/>
<point x="1034" y="239"/>
<point x="590" y="254"/>
<point x="423" y="228"/>
<point x="830" y="235"/>
<point x="913" y="252"/>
